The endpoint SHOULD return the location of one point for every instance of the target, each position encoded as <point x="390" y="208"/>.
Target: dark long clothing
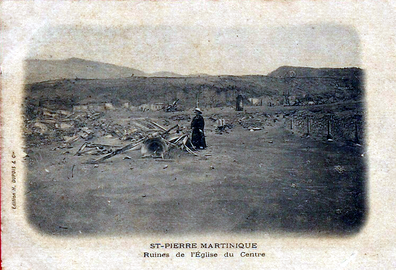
<point x="198" y="135"/>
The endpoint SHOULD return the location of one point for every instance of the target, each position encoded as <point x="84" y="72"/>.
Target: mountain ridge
<point x="310" y="72"/>
<point x="39" y="70"/>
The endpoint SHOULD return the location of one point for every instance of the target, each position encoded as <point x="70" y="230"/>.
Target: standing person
<point x="197" y="126"/>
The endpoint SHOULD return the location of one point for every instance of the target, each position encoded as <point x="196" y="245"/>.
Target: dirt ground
<point x="270" y="180"/>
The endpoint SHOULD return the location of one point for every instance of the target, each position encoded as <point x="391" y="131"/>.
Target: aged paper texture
<point x="198" y="134"/>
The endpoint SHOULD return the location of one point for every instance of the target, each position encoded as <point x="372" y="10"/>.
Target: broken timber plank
<point x="168" y="130"/>
<point x="190" y="151"/>
<point x="180" y="138"/>
<point x="81" y="149"/>
<point x="131" y="146"/>
<point x="156" y="124"/>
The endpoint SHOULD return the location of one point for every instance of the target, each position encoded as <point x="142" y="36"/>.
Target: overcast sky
<point x="191" y="50"/>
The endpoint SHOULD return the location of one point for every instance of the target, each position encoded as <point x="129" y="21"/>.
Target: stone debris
<point x="87" y="127"/>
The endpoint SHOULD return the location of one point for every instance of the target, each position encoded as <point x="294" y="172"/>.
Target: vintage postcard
<point x="198" y="134"/>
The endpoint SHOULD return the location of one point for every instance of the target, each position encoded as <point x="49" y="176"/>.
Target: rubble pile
<point x="251" y="121"/>
<point x="89" y="127"/>
<point x="181" y="117"/>
<point x="257" y="121"/>
<point x="173" y="107"/>
<point x="221" y="124"/>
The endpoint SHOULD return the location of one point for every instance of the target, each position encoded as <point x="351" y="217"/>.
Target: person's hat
<point x="198" y="110"/>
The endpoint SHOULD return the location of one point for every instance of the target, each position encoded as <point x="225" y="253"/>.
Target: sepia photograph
<point x="176" y="130"/>
<point x="198" y="134"/>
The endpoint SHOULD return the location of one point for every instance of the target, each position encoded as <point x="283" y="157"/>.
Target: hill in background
<point x="89" y="82"/>
<point x="46" y="70"/>
<point x="303" y="72"/>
